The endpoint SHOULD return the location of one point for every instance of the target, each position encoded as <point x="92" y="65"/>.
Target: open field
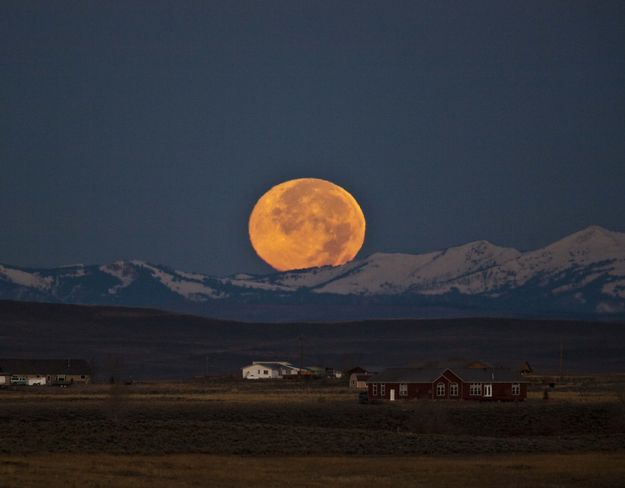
<point x="602" y="470"/>
<point x="284" y="433"/>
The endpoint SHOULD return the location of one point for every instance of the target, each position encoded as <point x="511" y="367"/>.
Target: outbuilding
<point x="485" y="384"/>
<point x="359" y="380"/>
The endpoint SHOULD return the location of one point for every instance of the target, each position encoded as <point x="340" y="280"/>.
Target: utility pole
<point x="301" y="360"/>
<point x="561" y="360"/>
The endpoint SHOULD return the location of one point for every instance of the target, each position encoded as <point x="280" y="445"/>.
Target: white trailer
<point x="36" y="381"/>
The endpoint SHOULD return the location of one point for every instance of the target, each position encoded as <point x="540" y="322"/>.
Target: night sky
<point x="148" y="130"/>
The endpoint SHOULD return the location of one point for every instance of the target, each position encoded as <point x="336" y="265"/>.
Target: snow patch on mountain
<point x="380" y="273"/>
<point x="313" y="278"/>
<point x="581" y="258"/>
<point x="609" y="308"/>
<point x="597" y="250"/>
<point x="615" y="289"/>
<point x="191" y="276"/>
<point x="587" y="280"/>
<point x="74" y="271"/>
<point x="193" y="290"/>
<point x="24" y="278"/>
<point x="424" y="273"/>
<point x="255" y="284"/>
<point x="124" y="271"/>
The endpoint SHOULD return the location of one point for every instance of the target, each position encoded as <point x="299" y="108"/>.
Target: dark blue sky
<point x="149" y="129"/>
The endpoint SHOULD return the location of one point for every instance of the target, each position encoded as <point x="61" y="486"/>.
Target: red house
<point x="485" y="384"/>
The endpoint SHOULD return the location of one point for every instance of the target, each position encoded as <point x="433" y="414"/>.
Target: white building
<point x="268" y="370"/>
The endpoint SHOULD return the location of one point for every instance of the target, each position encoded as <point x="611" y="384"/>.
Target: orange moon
<point x="306" y="223"/>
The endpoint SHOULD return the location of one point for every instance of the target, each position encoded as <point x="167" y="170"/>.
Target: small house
<point x="485" y="384"/>
<point x="269" y="370"/>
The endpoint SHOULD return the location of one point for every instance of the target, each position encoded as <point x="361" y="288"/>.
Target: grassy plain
<point x="233" y="433"/>
<point x="156" y="471"/>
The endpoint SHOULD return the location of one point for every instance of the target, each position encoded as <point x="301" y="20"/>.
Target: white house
<point x="268" y="370"/>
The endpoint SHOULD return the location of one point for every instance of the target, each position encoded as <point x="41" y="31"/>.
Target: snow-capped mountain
<point x="580" y="275"/>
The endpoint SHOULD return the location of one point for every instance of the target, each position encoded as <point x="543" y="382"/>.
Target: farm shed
<point x="484" y="384"/>
<point x="359" y="380"/>
<point x="269" y="370"/>
<point x="526" y="368"/>
<point x="32" y="372"/>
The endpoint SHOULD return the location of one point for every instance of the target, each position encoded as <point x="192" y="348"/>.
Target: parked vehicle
<point x="19" y="380"/>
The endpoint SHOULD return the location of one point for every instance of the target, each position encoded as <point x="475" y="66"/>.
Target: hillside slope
<point x="143" y="343"/>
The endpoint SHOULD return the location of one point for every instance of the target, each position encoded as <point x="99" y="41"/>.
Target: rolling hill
<point x="149" y="344"/>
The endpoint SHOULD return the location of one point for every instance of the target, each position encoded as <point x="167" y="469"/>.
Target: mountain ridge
<point x="582" y="274"/>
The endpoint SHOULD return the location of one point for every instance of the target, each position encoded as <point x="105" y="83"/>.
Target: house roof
<point x="271" y="365"/>
<point x="488" y="375"/>
<point x="429" y="375"/>
<point x="45" y="366"/>
<point x="357" y="369"/>
<point x="407" y="375"/>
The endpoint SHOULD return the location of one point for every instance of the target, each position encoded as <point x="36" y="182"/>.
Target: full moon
<point x="306" y="223"/>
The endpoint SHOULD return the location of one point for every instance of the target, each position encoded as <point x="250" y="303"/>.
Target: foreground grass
<point x="94" y="470"/>
<point x="279" y="434"/>
<point x="290" y="419"/>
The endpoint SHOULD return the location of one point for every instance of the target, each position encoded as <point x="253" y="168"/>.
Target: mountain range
<point x="579" y="276"/>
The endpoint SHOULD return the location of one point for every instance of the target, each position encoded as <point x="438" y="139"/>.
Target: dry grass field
<point x="231" y="433"/>
<point x="601" y="469"/>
